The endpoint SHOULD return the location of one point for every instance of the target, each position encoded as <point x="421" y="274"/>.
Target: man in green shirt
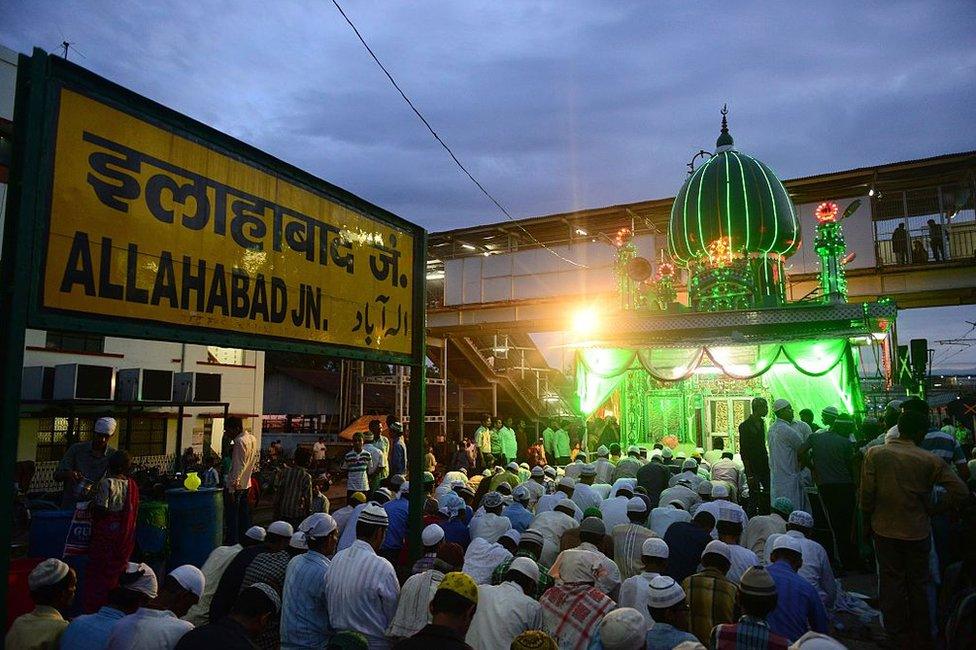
<point x="547" y="439"/>
<point x="561" y="446"/>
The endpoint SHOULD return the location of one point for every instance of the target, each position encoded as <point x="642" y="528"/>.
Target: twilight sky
<point x="552" y="105"/>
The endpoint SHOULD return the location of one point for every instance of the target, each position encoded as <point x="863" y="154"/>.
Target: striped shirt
<point x="268" y="568"/>
<point x="304" y="611"/>
<point x="357" y="463"/>
<point x="711" y="601"/>
<point x="362" y="591"/>
<point x="293" y="493"/>
<point x="748" y="634"/>
<point x="945" y="446"/>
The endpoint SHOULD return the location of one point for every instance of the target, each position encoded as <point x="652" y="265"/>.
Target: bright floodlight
<point x="585" y="321"/>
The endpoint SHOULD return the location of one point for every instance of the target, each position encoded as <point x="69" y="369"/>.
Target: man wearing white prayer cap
<point x="710" y="594"/>
<point x="798" y="608"/>
<point x="137" y="586"/>
<point x="636" y="590"/>
<point x="431" y="537"/>
<point x="507" y="609"/>
<point x="604" y="468"/>
<point x="628" y="538"/>
<point x="84" y="463"/>
<point x="623" y="629"/>
<point x="213" y="570"/>
<point x="157" y="624"/>
<point x="667" y="607"/>
<point x="816" y="567"/>
<point x="362" y="587"/>
<point x="817" y="641"/>
<point x="785" y="442"/>
<point x="297" y="545"/>
<point x="52" y="585"/>
<point x="304" y="615"/>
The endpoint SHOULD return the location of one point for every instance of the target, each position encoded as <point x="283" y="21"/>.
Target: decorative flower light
<point x="826" y="212"/>
<point x="720" y="252"/>
<point x="623" y="236"/>
<point x="665" y="270"/>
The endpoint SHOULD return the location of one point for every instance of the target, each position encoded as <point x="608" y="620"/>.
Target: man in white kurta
<point x="552" y="525"/>
<point x="481" y="558"/>
<point x="760" y="528"/>
<point x="636" y="590"/>
<point x="784" y="465"/>
<point x="613" y="511"/>
<point x="492" y="524"/>
<point x="213" y="569"/>
<point x="506" y="610"/>
<point x="629" y="538"/>
<point x="663" y="516"/>
<point x="816" y="565"/>
<point x="361" y="587"/>
<point x="604" y="468"/>
<point x="584" y="495"/>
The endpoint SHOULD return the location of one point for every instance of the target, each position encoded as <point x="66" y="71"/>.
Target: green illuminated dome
<point x="732" y="196"/>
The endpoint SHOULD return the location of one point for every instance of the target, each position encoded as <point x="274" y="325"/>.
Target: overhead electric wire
<point x="444" y="144"/>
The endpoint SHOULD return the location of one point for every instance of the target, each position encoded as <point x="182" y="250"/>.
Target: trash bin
<point x="196" y="524"/>
<point x="48" y="530"/>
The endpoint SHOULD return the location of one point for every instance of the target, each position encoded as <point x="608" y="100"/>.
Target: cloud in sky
<point x="552" y="105"/>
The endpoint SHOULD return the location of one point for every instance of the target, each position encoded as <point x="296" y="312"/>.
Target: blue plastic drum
<point x="196" y="524"/>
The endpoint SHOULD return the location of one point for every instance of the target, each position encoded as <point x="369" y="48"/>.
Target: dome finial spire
<point x="724" y="142"/>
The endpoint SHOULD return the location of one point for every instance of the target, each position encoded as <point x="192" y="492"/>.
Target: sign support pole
<point x="416" y="442"/>
<point x="15" y="281"/>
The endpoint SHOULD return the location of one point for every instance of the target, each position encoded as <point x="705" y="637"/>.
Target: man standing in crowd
<point x="784" y="465"/>
<point x="84" y="464"/>
<point x="318" y="453"/>
<point x="830" y="455"/>
<point x="374" y="444"/>
<point x="482" y="438"/>
<point x="244" y="457"/>
<point x="896" y="481"/>
<point x="356" y="464"/>
<point x="561" y="447"/>
<point x="755" y="458"/>
<point x="293" y="489"/>
<point x="398" y="450"/>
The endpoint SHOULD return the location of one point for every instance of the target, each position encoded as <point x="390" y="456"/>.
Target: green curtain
<point x="785" y="368"/>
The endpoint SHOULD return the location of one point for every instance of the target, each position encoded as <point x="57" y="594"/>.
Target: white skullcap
<point x="141" y="578"/>
<point x="567" y="481"/>
<point x="432" y="535"/>
<point x="318" y="525"/>
<point x="512" y="466"/>
<point x="523" y="466"/>
<point x="636" y="504"/>
<point x="717" y="547"/>
<point x="829" y="410"/>
<point x="689" y="645"/>
<point x="656" y="453"/>
<point x="787" y="542"/>
<point x="705" y="488"/>
<point x="665" y="592"/>
<point x="781" y="404"/>
<point x="720" y="491"/>
<point x="655" y="547"/>
<point x="526" y="567"/>
<point x="550" y="471"/>
<point x="521" y="494"/>
<point x="667" y="453"/>
<point x="817" y="641"/>
<point x="191" y="578"/>
<point x="538" y="472"/>
<point x="690" y="463"/>
<point x="106" y="426"/>
<point x="589" y="469"/>
<point x="633" y="449"/>
<point x="256" y="533"/>
<point x="298" y="541"/>
<point x="513" y="535"/>
<point x="623" y="629"/>
<point x="49" y="572"/>
<point x="405" y="487"/>
<point x="375" y="514"/>
<point x="492" y="500"/>
<point x="602" y="451"/>
<point x="281" y="529"/>
<point x="801" y="518"/>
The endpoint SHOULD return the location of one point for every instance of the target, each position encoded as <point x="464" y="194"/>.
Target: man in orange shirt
<point x="897" y="479"/>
